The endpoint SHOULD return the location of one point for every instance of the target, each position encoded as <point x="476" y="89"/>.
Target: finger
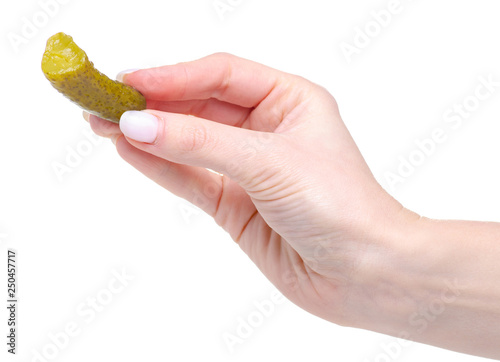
<point x="197" y="185"/>
<point x="101" y="127"/>
<point x="222" y="76"/>
<point x="236" y="152"/>
<point x="211" y="109"/>
<point x="213" y="193"/>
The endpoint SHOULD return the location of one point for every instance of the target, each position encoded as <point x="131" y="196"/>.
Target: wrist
<point x="388" y="280"/>
<point x="435" y="282"/>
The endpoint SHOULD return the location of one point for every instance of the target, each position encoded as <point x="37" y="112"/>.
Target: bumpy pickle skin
<point x="69" y="70"/>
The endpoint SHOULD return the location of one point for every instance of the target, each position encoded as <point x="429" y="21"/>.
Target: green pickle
<point x="69" y="71"/>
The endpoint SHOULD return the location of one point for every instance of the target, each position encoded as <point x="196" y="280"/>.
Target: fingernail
<point x="86" y="115"/>
<point x="140" y="126"/>
<point x="114" y="138"/>
<point x="120" y="76"/>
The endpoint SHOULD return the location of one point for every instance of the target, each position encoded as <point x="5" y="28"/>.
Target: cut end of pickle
<point x="62" y="55"/>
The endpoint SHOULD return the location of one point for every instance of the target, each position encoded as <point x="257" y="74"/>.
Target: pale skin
<point x="294" y="192"/>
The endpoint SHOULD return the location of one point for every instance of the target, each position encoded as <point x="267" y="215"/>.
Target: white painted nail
<point x="123" y="73"/>
<point x="140" y="126"/>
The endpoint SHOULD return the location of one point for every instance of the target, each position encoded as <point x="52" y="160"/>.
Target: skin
<point x="295" y="193"/>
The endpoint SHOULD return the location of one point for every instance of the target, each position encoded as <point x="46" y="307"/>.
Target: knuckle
<point x="194" y="138"/>
<point x="161" y="171"/>
<point x="222" y="55"/>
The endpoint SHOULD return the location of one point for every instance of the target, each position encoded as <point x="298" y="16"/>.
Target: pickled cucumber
<point x="69" y="70"/>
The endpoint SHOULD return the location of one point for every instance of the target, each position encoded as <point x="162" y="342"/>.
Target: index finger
<point x="222" y="76"/>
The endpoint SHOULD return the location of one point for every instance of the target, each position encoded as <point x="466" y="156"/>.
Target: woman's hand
<point x="293" y="190"/>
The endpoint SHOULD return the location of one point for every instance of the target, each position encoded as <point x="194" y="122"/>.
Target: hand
<point x="293" y="189"/>
<point x="294" y="192"/>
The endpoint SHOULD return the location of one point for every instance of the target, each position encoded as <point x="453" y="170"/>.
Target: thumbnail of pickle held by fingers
<point x="69" y="71"/>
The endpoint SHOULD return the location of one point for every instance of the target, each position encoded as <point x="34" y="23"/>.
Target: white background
<point x="191" y="282"/>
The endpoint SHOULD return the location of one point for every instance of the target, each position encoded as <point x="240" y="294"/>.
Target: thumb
<point x="236" y="152"/>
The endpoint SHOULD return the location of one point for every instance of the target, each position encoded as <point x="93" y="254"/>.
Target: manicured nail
<point x="140" y="126"/>
<point x="120" y="76"/>
<point x="86" y="115"/>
